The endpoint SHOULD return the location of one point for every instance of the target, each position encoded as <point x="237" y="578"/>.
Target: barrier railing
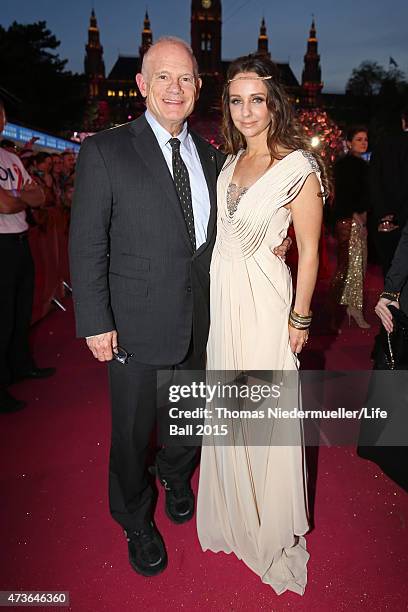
<point x="49" y="247"/>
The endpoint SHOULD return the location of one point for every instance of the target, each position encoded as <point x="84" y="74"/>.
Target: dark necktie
<point x="182" y="185"/>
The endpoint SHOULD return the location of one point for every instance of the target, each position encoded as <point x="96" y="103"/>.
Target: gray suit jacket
<point x="132" y="264"/>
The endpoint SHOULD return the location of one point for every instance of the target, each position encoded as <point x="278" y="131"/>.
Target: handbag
<point x="391" y="349"/>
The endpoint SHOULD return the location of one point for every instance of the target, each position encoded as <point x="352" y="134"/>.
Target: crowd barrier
<point x="49" y="247"/>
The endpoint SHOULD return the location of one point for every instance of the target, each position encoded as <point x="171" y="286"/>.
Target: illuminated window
<point x="111" y="93"/>
<point x="120" y="93"/>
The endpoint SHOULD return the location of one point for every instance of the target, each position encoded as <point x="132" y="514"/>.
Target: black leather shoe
<point x="179" y="501"/>
<point x="147" y="554"/>
<point x="8" y="403"/>
<point x="36" y="373"/>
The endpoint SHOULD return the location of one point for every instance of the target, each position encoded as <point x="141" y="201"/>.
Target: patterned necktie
<point x="182" y="185"/>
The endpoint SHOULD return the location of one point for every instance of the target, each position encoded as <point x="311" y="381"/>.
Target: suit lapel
<point x="208" y="163"/>
<point x="148" y="149"/>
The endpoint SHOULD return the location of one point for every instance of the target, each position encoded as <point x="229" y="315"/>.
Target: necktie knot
<point x="175" y="144"/>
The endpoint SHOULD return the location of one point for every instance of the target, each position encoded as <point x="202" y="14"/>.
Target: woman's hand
<point x="297" y="338"/>
<point x="382" y="311"/>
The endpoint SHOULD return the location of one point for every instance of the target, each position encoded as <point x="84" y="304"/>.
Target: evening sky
<point x="349" y="31"/>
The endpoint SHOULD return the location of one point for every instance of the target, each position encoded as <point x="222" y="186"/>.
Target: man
<point x="393" y="460"/>
<point x="17" y="191"/>
<point x="142" y="233"/>
<point x="389" y="189"/>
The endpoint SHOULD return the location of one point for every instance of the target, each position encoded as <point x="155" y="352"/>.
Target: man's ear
<point x="141" y="83"/>
<point x="198" y="88"/>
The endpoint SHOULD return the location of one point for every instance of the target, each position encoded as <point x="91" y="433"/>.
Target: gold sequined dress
<point x="252" y="499"/>
<point x="351" y="195"/>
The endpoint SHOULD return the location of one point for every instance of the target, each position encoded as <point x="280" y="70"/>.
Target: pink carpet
<point x="57" y="533"/>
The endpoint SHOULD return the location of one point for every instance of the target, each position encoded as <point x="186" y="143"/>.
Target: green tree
<point x="31" y="71"/>
<point x="366" y="80"/>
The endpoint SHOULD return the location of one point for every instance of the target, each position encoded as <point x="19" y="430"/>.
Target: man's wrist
<point x="393" y="296"/>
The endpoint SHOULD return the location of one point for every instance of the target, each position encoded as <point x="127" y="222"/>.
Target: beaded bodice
<point x="234" y="195"/>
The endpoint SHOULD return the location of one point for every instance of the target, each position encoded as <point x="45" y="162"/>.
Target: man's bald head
<point x="169" y="82"/>
<point x="169" y="41"/>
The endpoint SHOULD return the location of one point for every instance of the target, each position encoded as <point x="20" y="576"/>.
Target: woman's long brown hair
<point x="285" y="131"/>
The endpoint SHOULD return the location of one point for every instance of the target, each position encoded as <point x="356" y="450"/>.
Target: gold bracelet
<point x="299" y="316"/>
<point x="390" y="295"/>
<point x="298" y="326"/>
<point x="300" y="321"/>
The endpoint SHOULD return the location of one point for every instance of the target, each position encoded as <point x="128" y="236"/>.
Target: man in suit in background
<point x="142" y="232"/>
<point x="389" y="189"/>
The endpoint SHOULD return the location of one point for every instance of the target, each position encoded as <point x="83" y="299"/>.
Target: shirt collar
<point x="162" y="135"/>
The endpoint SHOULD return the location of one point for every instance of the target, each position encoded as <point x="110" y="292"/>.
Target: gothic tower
<point x="312" y="75"/>
<point x="206" y="35"/>
<point x="147" y="37"/>
<point x="94" y="64"/>
<point x="263" y="40"/>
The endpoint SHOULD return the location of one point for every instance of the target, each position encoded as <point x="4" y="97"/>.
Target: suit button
<point x="189" y="289"/>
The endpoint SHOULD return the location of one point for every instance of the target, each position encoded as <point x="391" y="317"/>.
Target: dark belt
<point x="14" y="237"/>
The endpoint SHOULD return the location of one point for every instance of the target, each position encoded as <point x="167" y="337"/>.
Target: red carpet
<point x="57" y="533"/>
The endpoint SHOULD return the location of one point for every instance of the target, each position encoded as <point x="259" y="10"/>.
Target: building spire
<point x="312" y="33"/>
<point x="147" y="36"/>
<point x="94" y="64"/>
<point x="92" y="22"/>
<point x="263" y="43"/>
<point x="146" y="23"/>
<point x="312" y="75"/>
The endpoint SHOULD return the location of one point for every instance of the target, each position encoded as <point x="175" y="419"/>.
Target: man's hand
<point x="387" y="224"/>
<point x="382" y="311"/>
<point x="32" y="195"/>
<point x="283" y="248"/>
<point x="9" y="203"/>
<point x="102" y="345"/>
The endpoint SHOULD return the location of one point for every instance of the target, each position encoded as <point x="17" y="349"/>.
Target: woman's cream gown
<point x="252" y="499"/>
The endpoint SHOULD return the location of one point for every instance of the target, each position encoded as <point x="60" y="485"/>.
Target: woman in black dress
<point x="350" y="212"/>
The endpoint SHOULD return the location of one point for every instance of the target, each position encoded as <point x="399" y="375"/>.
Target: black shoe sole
<point x="148" y="573"/>
<point x="178" y="521"/>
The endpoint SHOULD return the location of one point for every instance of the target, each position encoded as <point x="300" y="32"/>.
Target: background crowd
<point x="36" y="190"/>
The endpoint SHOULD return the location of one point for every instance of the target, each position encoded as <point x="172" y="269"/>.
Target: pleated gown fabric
<point x="252" y="499"/>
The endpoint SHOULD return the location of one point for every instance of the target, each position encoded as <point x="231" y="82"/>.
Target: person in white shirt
<point x="17" y="191"/>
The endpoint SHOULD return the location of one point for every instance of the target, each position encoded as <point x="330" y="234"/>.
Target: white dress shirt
<point x="199" y="189"/>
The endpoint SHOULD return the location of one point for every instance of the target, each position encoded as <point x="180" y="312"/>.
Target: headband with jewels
<point x="251" y="78"/>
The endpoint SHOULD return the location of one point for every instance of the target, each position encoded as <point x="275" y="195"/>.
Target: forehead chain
<point x="245" y="78"/>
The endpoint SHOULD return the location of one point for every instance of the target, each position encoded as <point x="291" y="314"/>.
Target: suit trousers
<point x="16" y="290"/>
<point x="133" y="389"/>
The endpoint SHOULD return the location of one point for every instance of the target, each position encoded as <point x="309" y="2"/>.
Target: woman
<point x="252" y="498"/>
<point x="350" y="213"/>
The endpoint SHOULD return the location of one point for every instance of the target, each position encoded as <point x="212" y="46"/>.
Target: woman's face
<point x="247" y="103"/>
<point x="358" y="144"/>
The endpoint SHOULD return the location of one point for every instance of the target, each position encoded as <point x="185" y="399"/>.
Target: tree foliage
<point x="50" y="97"/>
<point x="366" y="80"/>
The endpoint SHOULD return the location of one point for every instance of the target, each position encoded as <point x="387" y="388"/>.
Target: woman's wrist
<point x="300" y="321"/>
